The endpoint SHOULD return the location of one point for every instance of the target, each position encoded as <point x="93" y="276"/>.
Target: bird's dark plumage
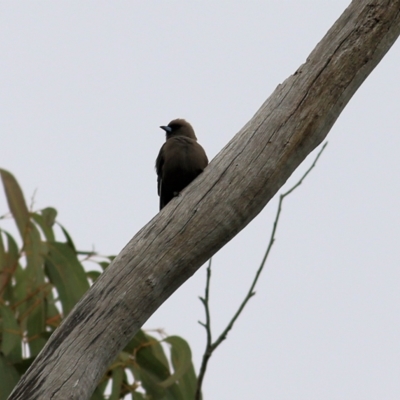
<point x="180" y="160"/>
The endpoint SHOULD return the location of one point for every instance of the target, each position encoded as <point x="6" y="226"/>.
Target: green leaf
<point x="36" y="323"/>
<point x="67" y="274"/>
<point x="2" y="257"/>
<point x="149" y="355"/>
<point x="12" y="252"/>
<point x="138" y="396"/>
<point x="11" y="333"/>
<point x="93" y="275"/>
<point x="20" y="291"/>
<point x="53" y="316"/>
<point x="34" y="258"/>
<point x="16" y="201"/>
<point x="23" y="365"/>
<point x="149" y="382"/>
<point x="148" y="369"/>
<point x="46" y="229"/>
<point x="70" y="242"/>
<point x="5" y="274"/>
<point x="49" y="215"/>
<point x="158" y="351"/>
<point x="151" y="368"/>
<point x="173" y="392"/>
<point x="34" y="289"/>
<point x="188" y="383"/>
<point x="98" y="394"/>
<point x="9" y="377"/>
<point x="117" y="378"/>
<point x="181" y="356"/>
<point x="9" y="263"/>
<point x="104" y="264"/>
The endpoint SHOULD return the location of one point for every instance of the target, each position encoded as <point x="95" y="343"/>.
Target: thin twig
<point x="7" y="215"/>
<point x="207" y="326"/>
<point x="33" y="200"/>
<point x="210" y="347"/>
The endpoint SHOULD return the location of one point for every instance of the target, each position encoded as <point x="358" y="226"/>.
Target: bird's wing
<point x="159" y="168"/>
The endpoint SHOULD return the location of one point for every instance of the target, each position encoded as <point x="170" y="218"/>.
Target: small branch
<point x="207" y="326"/>
<point x="306" y="173"/>
<point x="33" y="200"/>
<point x="210" y="347"/>
<point x="7" y="215"/>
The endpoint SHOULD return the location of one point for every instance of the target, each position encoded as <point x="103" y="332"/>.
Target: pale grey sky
<point x="84" y="89"/>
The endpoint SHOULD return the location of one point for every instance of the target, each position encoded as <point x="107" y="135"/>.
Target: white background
<point x="84" y="89"/>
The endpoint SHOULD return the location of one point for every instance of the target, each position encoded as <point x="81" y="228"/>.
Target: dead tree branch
<point x="235" y="187"/>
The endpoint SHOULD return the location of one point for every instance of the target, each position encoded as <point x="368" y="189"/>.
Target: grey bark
<point x="215" y="207"/>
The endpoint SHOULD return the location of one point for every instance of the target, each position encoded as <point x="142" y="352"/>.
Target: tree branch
<point x="208" y="351"/>
<point x="210" y="347"/>
<point x="231" y="191"/>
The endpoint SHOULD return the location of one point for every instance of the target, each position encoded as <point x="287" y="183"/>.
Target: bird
<point x="180" y="160"/>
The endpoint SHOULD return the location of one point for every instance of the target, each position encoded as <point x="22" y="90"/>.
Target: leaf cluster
<point x="41" y="280"/>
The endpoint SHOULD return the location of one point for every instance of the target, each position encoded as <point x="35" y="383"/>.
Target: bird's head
<point x="179" y="127"/>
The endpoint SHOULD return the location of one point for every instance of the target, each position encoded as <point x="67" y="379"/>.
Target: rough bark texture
<point x="222" y="201"/>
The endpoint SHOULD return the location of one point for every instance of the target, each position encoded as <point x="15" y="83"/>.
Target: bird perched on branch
<point x="180" y="160"/>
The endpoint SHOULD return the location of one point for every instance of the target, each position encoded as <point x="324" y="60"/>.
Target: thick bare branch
<point x="215" y="207"/>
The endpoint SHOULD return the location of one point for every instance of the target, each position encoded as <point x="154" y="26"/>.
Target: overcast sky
<point x="84" y="89"/>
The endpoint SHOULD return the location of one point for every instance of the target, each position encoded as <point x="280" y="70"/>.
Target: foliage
<point x="40" y="282"/>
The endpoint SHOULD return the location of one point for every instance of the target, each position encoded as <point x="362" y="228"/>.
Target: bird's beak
<point x="166" y="128"/>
